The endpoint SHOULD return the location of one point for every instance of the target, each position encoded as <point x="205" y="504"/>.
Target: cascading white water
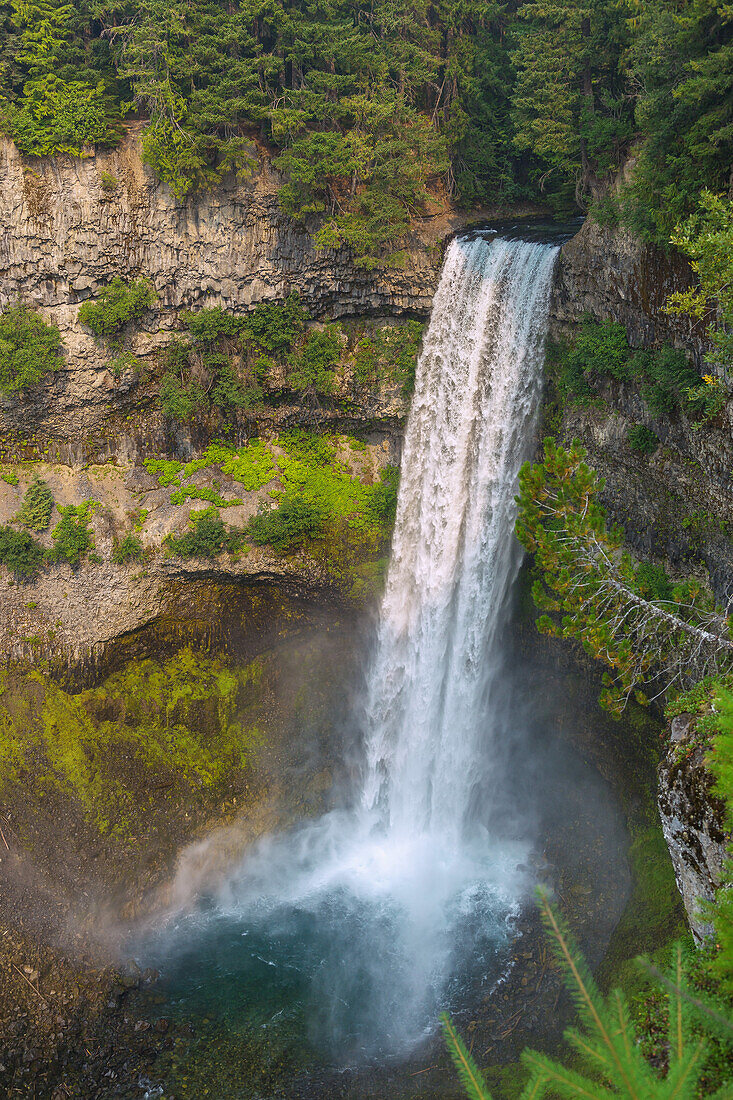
<point x="454" y="554"/>
<point x="376" y="906"/>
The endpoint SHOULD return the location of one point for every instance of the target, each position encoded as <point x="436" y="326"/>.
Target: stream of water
<point x="355" y="930"/>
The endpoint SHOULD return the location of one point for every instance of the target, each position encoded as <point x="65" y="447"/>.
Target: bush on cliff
<point x="207" y="536"/>
<point x="29" y="348"/>
<point x="20" y="552"/>
<point x="72" y="537"/>
<point x="35" y="512"/>
<point x="116" y="306"/>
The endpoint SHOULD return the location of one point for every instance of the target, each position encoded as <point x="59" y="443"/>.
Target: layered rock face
<point x="693" y="820"/>
<point x="677" y="504"/>
<point x="70" y="226"/>
<point x="611" y="275"/>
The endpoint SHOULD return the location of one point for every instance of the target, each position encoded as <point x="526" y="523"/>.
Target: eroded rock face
<point x="675" y="505"/>
<point x="693" y="822"/>
<point x="611" y="275"/>
<point x="69" y="226"/>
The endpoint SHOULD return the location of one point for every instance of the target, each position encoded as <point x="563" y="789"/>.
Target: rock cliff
<point x="70" y="225"/>
<point x="693" y="820"/>
<point x="677" y="504"/>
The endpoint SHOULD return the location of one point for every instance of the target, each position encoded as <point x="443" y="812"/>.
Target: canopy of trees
<point x="371" y="107"/>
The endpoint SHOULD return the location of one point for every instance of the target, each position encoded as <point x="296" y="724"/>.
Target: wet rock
<point x="693" y="820"/>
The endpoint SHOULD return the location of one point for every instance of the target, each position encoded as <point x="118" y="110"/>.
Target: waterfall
<point x="371" y="919"/>
<point x="454" y="555"/>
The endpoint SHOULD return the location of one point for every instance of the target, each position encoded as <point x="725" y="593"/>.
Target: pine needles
<point x="609" y="1063"/>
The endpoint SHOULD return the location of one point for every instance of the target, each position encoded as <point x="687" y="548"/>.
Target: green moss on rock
<point x="185" y="723"/>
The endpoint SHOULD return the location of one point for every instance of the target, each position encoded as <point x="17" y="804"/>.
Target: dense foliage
<point x="670" y="385"/>
<point x="372" y="109"/>
<point x="628" y="615"/>
<point x="19" y="552"/>
<point x="35" y="512"/>
<point x="72" y="536"/>
<point x="116" y="306"/>
<point x="29" y="348"/>
<point x="706" y="238"/>
<point x="231" y="366"/>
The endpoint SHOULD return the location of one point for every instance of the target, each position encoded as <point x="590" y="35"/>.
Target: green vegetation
<point x="285" y="527"/>
<point x="19" y="552"/>
<point x="57" y="96"/>
<point x="203" y="492"/>
<point x="720" y="764"/>
<point x="224" y="363"/>
<point x="183" y="725"/>
<point x="320" y="496"/>
<point x="600" y="351"/>
<point x="29" y="348"/>
<point x="116" y="306"/>
<point x="207" y="536"/>
<point x="312" y="366"/>
<point x="706" y="238"/>
<point x="324" y="503"/>
<point x="371" y="114"/>
<point x="231" y="365"/>
<point x="590" y="590"/>
<point x="608" y="1057"/>
<point x="642" y="439"/>
<point x="9" y="477"/>
<point x="72" y="537"/>
<point x="35" y="512"/>
<point x="388" y="354"/>
<point x="128" y="549"/>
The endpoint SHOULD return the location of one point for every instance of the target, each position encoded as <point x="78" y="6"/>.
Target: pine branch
<point x="588" y="998"/>
<point x="470" y="1076"/>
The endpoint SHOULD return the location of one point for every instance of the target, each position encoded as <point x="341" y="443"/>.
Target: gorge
<point x="377" y="794"/>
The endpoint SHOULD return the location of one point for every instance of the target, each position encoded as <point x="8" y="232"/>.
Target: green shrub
<point x="35" y="512"/>
<point x="312" y="366"/>
<point x="599" y="350"/>
<point x="389" y="354"/>
<point x="251" y="465"/>
<point x="642" y="439"/>
<point x="9" y="477"/>
<point x="116" y="306"/>
<point x="383" y="498"/>
<point x="209" y="325"/>
<point x="273" y="327"/>
<point x="167" y="470"/>
<point x="206" y="538"/>
<point x="179" y="400"/>
<point x="668" y="375"/>
<point x="285" y="527"/>
<point x="202" y="492"/>
<point x="308" y="447"/>
<point x="20" y="552"/>
<point x="668" y="382"/>
<point x="107" y="181"/>
<point x="29" y="348"/>
<point x="128" y="549"/>
<point x="229" y="391"/>
<point x="71" y="536"/>
<point x="62" y="116"/>
<point x="654" y="582"/>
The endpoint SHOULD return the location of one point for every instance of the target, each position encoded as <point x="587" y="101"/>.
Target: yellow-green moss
<point x="188" y="721"/>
